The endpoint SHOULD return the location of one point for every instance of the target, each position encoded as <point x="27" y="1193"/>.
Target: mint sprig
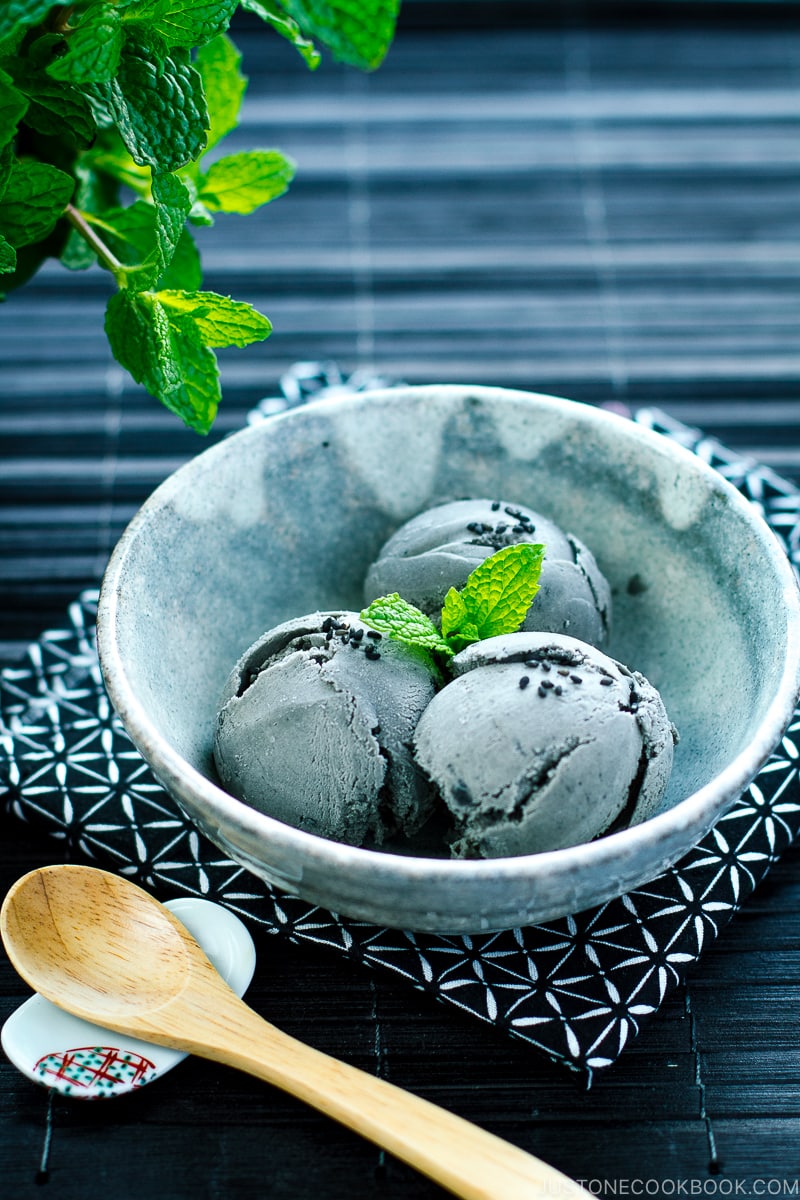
<point x="101" y="96"/>
<point x="494" y="600"/>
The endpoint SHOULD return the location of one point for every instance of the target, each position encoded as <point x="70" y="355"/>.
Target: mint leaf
<point x="158" y="105"/>
<point x="55" y="109"/>
<point x="218" y="320"/>
<point x="94" y="47"/>
<point x="241" y="183"/>
<point x="12" y="108"/>
<point x="288" y="28"/>
<point x="496" y="597"/>
<point x="183" y="22"/>
<point x="196" y="398"/>
<point x="358" y="32"/>
<point x="139" y="334"/>
<point x="173" y="203"/>
<point x="18" y="15"/>
<point x="8" y="256"/>
<point x="35" y="196"/>
<point x="7" y="161"/>
<point x="171" y="363"/>
<point x="457" y="625"/>
<point x="404" y="623"/>
<point x="224" y="86"/>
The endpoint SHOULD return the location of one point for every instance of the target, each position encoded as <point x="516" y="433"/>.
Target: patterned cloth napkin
<point x="578" y="988"/>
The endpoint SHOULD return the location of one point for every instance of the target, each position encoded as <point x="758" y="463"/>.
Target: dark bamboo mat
<point x="600" y="201"/>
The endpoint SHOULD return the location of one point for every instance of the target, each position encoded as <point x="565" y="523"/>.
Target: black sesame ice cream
<point x="438" y="549"/>
<point x="542" y="742"/>
<point x="315" y="725"/>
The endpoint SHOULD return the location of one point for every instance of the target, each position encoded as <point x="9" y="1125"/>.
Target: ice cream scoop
<point x="438" y="549"/>
<point x="315" y="725"/>
<point x="541" y="741"/>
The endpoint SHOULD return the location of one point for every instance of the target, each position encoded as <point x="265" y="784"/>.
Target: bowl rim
<point x="699" y="810"/>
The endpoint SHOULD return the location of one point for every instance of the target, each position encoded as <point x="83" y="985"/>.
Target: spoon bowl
<point x="84" y="929"/>
<point x="106" y="951"/>
<point x="86" y="1061"/>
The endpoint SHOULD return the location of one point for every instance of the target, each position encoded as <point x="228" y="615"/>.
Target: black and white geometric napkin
<point x="578" y="988"/>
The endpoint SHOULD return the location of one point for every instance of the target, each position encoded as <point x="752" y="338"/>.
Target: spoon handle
<point x="460" y="1156"/>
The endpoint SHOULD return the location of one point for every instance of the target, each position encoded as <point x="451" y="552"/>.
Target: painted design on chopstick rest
<point x="95" y="1071"/>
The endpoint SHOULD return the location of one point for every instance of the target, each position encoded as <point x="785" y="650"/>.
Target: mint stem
<point x="60" y="19"/>
<point x="106" y="258"/>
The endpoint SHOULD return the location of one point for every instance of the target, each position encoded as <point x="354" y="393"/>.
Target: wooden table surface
<point x="598" y="201"/>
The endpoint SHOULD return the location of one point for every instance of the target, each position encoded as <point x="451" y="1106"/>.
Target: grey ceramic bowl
<point x="284" y="518"/>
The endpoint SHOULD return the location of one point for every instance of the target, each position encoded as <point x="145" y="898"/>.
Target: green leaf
<point x="197" y="397"/>
<point x="184" y="271"/>
<point x="173" y="203"/>
<point x="36" y="195"/>
<point x="405" y="623"/>
<point x="172" y="364"/>
<point x="7" y="161"/>
<point x="56" y="109"/>
<point x="287" y="27"/>
<point x="158" y="106"/>
<point x="218" y="320"/>
<point x="241" y="183"/>
<point x="13" y="106"/>
<point x="358" y="32"/>
<point x="94" y="48"/>
<point x="496" y="597"/>
<point x="19" y="15"/>
<point x="183" y="22"/>
<point x="8" y="256"/>
<point x="224" y="86"/>
<point x="139" y="334"/>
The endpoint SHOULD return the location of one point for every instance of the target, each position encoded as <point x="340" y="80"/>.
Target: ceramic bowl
<point x="285" y="517"/>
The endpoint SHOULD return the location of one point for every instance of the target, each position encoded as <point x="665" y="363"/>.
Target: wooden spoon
<point x="103" y="949"/>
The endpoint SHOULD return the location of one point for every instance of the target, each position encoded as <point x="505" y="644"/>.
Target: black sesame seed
<point x="532" y="663"/>
<point x="576" y="678"/>
<point x="475" y="527"/>
<point x="606" y="681"/>
<point x="357" y="635"/>
<point x="547" y="683"/>
<point x="373" y="633"/>
<point x="542" y="690"/>
<point x="546" y="666"/>
<point x="524" y="681"/>
<point x="501" y="527"/>
<point x="558" y="689"/>
<point x="495" y="505"/>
